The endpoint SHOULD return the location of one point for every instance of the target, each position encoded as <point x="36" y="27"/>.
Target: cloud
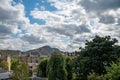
<point x="100" y="5"/>
<point x="106" y="11"/>
<point x="118" y="21"/>
<point x="4" y="30"/>
<point x="11" y="17"/>
<point x="69" y="29"/>
<point x="45" y="15"/>
<point x="32" y="39"/>
<point x="69" y="20"/>
<point x="107" y="19"/>
<point x="66" y="28"/>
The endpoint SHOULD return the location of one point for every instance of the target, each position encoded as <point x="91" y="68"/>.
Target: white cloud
<point x="11" y="17"/>
<point x="74" y="17"/>
<point x="69" y="20"/>
<point x="66" y="28"/>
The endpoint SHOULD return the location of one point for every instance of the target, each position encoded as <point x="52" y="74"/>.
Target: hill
<point x="13" y="53"/>
<point x="45" y="50"/>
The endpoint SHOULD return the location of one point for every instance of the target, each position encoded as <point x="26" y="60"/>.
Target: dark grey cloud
<point x="106" y="19"/>
<point x="78" y="40"/>
<point x="101" y="8"/>
<point x="8" y="15"/>
<point x="82" y="38"/>
<point x="82" y="29"/>
<point x="5" y="30"/>
<point x="118" y="21"/>
<point x="100" y="5"/>
<point x="32" y="39"/>
<point x="69" y="29"/>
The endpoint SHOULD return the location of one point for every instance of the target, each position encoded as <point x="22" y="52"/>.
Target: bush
<point x="93" y="76"/>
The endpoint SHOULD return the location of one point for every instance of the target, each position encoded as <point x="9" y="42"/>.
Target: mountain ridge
<point x="44" y="50"/>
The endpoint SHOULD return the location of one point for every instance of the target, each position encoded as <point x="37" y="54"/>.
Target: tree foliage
<point x="14" y="63"/>
<point x="56" y="67"/>
<point x="68" y="67"/>
<point x="113" y="72"/>
<point x="97" y="53"/>
<point x="42" y="68"/>
<point x="4" y="64"/>
<point x="21" y="72"/>
<point x="94" y="76"/>
<point x="81" y="68"/>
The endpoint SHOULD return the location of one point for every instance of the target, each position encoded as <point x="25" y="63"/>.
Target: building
<point x="32" y="61"/>
<point x="72" y="54"/>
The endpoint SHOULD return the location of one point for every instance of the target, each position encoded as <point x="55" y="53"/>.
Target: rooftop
<point x="5" y="75"/>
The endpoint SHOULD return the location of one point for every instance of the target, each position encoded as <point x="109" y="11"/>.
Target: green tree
<point x="81" y="68"/>
<point x="4" y="64"/>
<point x="14" y="63"/>
<point x="42" y="68"/>
<point x="113" y="72"/>
<point x="56" y="67"/>
<point x="96" y="54"/>
<point x="21" y="72"/>
<point x="94" y="76"/>
<point x="68" y="64"/>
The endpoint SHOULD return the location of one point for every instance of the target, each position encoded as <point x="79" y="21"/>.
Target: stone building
<point x="72" y="54"/>
<point x="32" y="61"/>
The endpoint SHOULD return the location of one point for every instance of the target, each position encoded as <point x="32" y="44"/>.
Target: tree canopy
<point x="97" y="53"/>
<point x="68" y="67"/>
<point x="42" y="68"/>
<point x="14" y="63"/>
<point x="21" y="72"/>
<point x="4" y="64"/>
<point x="113" y="72"/>
<point x="56" y="67"/>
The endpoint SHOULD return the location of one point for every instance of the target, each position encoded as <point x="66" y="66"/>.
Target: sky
<point x="63" y="24"/>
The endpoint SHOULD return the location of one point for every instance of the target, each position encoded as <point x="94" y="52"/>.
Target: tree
<point x="56" y="67"/>
<point x="68" y="64"/>
<point x="4" y="64"/>
<point x="81" y="68"/>
<point x="21" y="72"/>
<point x="94" y="76"/>
<point x="97" y="53"/>
<point x="14" y="63"/>
<point x="113" y="72"/>
<point x="42" y="68"/>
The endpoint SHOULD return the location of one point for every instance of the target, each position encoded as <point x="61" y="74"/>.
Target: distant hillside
<point x="9" y="52"/>
<point x="45" y="50"/>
